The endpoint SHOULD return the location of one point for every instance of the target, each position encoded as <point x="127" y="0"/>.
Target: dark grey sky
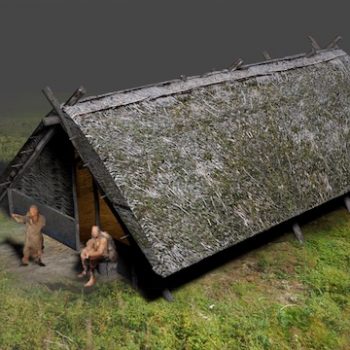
<point x="108" y="45"/>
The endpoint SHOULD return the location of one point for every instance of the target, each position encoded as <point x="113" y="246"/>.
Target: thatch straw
<point x="211" y="166"/>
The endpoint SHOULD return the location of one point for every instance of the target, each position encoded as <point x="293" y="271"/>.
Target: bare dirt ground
<point x="62" y="262"/>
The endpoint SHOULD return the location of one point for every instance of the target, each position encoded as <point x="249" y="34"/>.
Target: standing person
<point x="96" y="250"/>
<point x="34" y="239"/>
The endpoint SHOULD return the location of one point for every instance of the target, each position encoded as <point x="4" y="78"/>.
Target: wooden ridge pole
<point x="72" y="100"/>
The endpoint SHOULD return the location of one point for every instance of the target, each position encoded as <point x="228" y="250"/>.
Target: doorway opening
<point x="93" y="208"/>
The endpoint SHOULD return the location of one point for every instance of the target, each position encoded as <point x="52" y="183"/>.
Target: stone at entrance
<point x="107" y="268"/>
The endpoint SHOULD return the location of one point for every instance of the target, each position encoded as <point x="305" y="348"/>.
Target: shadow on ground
<point x="153" y="286"/>
<point x="16" y="247"/>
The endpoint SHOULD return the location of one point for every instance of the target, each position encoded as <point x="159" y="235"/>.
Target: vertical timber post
<point x="97" y="204"/>
<point x="75" y="201"/>
<point x="298" y="233"/>
<point x="347" y="203"/>
<point x="167" y="295"/>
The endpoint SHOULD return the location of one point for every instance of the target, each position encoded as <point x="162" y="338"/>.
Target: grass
<point x="9" y="145"/>
<point x="14" y="132"/>
<point x="281" y="296"/>
<point x="18" y="126"/>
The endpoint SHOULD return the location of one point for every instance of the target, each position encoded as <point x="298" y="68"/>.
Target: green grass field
<point x="280" y="296"/>
<point x="14" y="132"/>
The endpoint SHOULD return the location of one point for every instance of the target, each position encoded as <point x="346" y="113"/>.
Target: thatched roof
<point x="200" y="164"/>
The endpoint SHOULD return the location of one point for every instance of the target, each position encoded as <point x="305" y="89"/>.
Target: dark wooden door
<point x="59" y="226"/>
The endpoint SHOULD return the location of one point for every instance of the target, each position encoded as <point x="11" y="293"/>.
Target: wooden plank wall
<point x="110" y="223"/>
<point x="86" y="208"/>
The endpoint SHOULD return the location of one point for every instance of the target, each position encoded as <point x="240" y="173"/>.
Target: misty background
<point x="107" y="45"/>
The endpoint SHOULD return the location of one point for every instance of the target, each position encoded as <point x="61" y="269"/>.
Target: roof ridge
<point x="165" y="82"/>
<point x="127" y="96"/>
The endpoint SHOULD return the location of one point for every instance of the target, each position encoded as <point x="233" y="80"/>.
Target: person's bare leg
<point x="84" y="272"/>
<point x="83" y="263"/>
<point x="91" y="281"/>
<point x="25" y="258"/>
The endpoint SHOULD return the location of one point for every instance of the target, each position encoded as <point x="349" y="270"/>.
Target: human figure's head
<point x="33" y="210"/>
<point x="95" y="231"/>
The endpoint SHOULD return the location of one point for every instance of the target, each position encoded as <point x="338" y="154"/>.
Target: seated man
<point x="33" y="245"/>
<point x="96" y="250"/>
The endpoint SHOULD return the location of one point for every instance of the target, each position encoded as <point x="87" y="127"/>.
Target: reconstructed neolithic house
<point x="187" y="168"/>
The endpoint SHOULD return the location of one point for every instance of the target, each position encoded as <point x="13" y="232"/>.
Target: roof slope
<point x="210" y="161"/>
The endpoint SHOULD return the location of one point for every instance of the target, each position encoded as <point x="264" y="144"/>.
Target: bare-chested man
<point x="95" y="251"/>
<point x="33" y="245"/>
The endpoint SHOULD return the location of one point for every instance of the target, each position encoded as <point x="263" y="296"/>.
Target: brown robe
<point x="33" y="236"/>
